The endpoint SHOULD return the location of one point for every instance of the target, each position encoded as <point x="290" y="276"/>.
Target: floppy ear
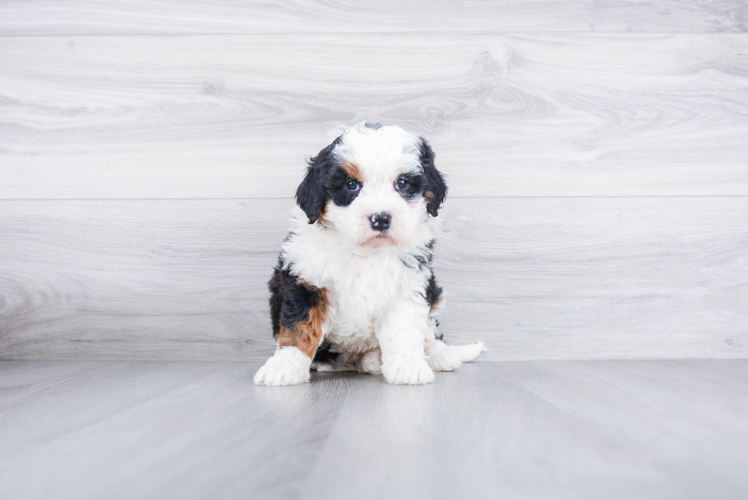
<point x="311" y="194"/>
<point x="435" y="190"/>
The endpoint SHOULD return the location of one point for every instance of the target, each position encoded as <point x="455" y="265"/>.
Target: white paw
<point x="407" y="370"/>
<point x="288" y="366"/>
<point x="371" y="362"/>
<point x="445" y="361"/>
<point x="442" y="358"/>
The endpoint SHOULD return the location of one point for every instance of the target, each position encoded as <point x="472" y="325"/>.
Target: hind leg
<point x="371" y="362"/>
<point x="342" y="362"/>
<point x="368" y="362"/>
<point x="440" y="357"/>
<point x="326" y="366"/>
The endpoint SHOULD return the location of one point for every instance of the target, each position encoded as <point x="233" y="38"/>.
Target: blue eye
<point x="401" y="184"/>
<point x="353" y="186"/>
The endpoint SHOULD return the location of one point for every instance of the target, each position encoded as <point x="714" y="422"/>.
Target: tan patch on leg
<point x="305" y="335"/>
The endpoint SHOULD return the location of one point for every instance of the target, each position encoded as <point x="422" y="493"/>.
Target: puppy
<point x="354" y="287"/>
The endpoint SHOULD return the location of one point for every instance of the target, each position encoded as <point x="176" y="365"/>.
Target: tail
<point x="469" y="352"/>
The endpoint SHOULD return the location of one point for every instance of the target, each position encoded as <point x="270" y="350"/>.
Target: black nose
<point x="380" y="222"/>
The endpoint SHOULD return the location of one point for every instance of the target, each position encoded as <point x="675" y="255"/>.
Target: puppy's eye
<point x="401" y="184"/>
<point x="353" y="186"/>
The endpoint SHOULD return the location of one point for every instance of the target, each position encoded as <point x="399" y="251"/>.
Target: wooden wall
<point x="597" y="154"/>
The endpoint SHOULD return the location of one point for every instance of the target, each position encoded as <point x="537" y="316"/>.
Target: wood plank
<point x="46" y="409"/>
<point x="214" y="435"/>
<point x="568" y="278"/>
<point x="137" y="279"/>
<point x="628" y="429"/>
<point x="46" y="17"/>
<point x="235" y="116"/>
<point x="599" y="278"/>
<point x="541" y="429"/>
<point x="17" y="379"/>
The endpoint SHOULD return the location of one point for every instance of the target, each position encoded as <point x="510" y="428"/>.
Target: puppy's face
<point x="374" y="184"/>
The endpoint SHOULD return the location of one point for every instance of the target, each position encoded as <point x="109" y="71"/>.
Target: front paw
<point x="407" y="370"/>
<point x="288" y="366"/>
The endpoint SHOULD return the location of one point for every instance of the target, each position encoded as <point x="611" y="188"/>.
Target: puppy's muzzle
<point x="381" y="221"/>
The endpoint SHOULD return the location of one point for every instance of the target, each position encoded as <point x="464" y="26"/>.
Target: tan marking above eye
<point x="353" y="172"/>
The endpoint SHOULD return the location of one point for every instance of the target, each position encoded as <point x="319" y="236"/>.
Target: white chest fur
<point x="363" y="284"/>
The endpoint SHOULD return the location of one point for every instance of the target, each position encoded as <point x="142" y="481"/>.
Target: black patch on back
<point x="373" y="126"/>
<point x="433" y="291"/>
<point x="290" y="301"/>
<point x="435" y="183"/>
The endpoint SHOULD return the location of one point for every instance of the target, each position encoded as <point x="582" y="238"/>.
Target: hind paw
<point x="406" y="370"/>
<point x="441" y="358"/>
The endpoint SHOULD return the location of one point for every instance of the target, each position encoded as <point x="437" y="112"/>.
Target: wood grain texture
<point x="234" y="116"/>
<point x="210" y="434"/>
<point x="569" y="278"/>
<point x="51" y="404"/>
<point x="542" y="429"/>
<point x="46" y="17"/>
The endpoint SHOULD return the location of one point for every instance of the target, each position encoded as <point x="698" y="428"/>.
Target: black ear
<point x="435" y="190"/>
<point x="311" y="194"/>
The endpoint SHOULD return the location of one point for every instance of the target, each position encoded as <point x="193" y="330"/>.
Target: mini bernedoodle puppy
<point x="354" y="287"/>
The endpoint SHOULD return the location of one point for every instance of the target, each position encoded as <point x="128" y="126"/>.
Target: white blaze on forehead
<point x="380" y="154"/>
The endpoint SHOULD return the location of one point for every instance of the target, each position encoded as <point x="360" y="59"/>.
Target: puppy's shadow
<point x="342" y="376"/>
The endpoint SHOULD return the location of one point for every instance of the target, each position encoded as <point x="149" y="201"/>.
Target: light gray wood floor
<point x="542" y="429"/>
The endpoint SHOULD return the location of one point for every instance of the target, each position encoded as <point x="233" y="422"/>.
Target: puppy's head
<point x="374" y="184"/>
